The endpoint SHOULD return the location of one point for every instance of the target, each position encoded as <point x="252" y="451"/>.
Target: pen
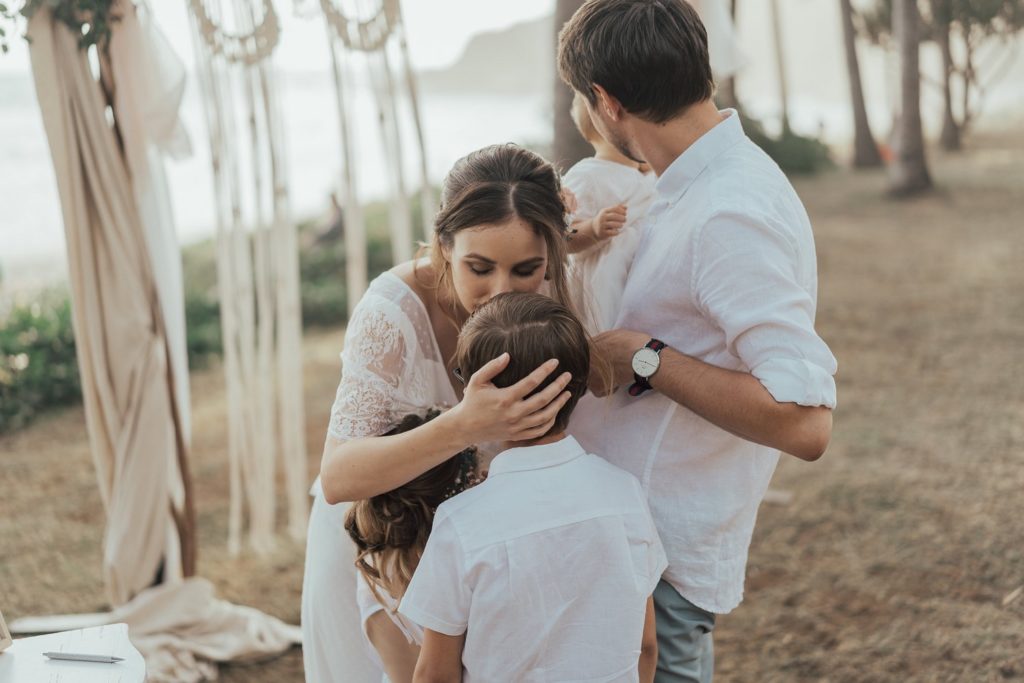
<point x="83" y="658"/>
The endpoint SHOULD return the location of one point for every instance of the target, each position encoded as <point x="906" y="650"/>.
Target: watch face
<point x="646" y="362"/>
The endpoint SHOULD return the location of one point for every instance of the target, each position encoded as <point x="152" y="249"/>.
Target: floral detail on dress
<point x="390" y="363"/>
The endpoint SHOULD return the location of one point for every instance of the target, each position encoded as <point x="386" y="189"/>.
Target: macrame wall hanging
<point x="257" y="267"/>
<point x="374" y="31"/>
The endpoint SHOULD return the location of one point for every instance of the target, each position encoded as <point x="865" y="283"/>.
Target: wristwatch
<point x="646" y="362"/>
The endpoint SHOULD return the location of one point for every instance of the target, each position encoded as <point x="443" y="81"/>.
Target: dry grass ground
<point x="895" y="555"/>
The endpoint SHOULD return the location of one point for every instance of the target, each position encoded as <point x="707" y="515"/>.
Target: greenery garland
<point x="90" y="19"/>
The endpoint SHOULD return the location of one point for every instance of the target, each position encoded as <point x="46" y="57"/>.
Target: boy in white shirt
<point x="613" y="193"/>
<point x="544" y="572"/>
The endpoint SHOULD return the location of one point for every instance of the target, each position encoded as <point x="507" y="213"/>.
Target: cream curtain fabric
<point x="125" y="272"/>
<point x="123" y="355"/>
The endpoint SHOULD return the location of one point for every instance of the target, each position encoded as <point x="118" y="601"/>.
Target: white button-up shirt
<point x="546" y="566"/>
<point x="726" y="273"/>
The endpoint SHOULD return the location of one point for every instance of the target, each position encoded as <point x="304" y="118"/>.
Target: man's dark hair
<point x="651" y="55"/>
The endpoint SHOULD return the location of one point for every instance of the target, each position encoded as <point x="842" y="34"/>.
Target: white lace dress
<point x="391" y="366"/>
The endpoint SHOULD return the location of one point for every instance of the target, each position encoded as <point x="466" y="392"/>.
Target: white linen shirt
<point x="725" y="273"/>
<point x="546" y="566"/>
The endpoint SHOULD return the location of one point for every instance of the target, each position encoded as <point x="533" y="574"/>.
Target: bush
<point x="322" y="272"/>
<point x="202" y="326"/>
<point x="38" y="368"/>
<point x="793" y="153"/>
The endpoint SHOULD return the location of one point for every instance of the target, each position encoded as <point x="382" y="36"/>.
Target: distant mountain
<point x="516" y="60"/>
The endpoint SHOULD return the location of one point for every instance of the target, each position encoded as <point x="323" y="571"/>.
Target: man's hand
<point x="616" y="348"/>
<point x="609" y="222"/>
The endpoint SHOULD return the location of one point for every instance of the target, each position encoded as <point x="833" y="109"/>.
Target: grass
<point x="895" y="555"/>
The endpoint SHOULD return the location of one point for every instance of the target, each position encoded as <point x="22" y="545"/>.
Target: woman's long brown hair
<point x="390" y="530"/>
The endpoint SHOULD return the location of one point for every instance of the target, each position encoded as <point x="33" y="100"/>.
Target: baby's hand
<point x="609" y="221"/>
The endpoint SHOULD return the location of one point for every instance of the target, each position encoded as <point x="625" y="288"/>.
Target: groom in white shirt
<point x="717" y="364"/>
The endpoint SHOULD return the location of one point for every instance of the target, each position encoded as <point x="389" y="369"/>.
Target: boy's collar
<point x="536" y="457"/>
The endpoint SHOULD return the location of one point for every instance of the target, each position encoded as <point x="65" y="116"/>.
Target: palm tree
<point x="865" y="151"/>
<point x="780" y="63"/>
<point x="908" y="175"/>
<point x="569" y="146"/>
<point x="942" y="20"/>
<point x="727" y="97"/>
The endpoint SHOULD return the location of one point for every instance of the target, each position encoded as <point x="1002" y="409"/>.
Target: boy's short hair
<point x="533" y="329"/>
<point x="651" y="55"/>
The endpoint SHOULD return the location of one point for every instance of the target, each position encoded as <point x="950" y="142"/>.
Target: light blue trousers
<point x="686" y="651"/>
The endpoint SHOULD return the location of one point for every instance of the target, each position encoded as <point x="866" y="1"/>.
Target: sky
<point x="439" y="29"/>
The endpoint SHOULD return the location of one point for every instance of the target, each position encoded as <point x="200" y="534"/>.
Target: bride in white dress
<point x="501" y="227"/>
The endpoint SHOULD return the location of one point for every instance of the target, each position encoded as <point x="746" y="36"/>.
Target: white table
<point x="23" y="661"/>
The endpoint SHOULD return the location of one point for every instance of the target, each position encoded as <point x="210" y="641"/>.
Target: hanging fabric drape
<point x="125" y="277"/>
<point x="122" y="307"/>
<point x="257" y="266"/>
<point x="148" y="81"/>
<point x="376" y="36"/>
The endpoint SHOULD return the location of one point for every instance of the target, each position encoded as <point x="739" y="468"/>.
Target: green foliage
<point x="38" y="368"/>
<point x="37" y="359"/>
<point x="795" y="154"/>
<point x="322" y="271"/>
<point x="202" y="326"/>
<point x="89" y="19"/>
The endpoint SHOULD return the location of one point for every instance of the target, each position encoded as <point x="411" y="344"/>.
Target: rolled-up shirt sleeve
<point x="747" y="278"/>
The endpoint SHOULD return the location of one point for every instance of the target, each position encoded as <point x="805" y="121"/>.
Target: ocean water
<point x="31" y="228"/>
<point x="32" y="233"/>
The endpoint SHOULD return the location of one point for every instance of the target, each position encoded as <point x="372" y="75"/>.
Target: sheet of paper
<point x="24" y="662"/>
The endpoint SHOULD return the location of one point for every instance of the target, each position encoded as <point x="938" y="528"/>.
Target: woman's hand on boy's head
<point x="489" y="413"/>
<point x="609" y="221"/>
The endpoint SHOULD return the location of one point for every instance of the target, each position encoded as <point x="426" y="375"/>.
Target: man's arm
<point x="649" y="646"/>
<point x="440" y="658"/>
<point x="734" y="401"/>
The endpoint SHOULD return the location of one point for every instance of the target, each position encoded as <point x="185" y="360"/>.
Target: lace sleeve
<point x="372" y="365"/>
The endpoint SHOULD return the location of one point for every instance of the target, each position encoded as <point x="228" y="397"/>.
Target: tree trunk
<point x="780" y="63"/>
<point x="950" y="136"/>
<point x="569" y="146"/>
<point x="727" y="97"/>
<point x="968" y="76"/>
<point x="865" y="151"/>
<point x="908" y="175"/>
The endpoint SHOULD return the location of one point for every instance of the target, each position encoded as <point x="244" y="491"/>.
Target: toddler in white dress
<point x="613" y="194"/>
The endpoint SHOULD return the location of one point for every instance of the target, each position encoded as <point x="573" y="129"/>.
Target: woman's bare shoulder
<point x="418" y="274"/>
